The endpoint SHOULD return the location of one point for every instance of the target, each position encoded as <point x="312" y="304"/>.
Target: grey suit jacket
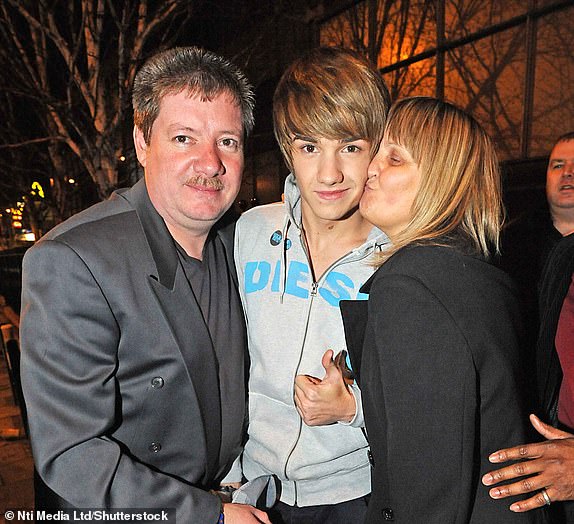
<point x="119" y="373"/>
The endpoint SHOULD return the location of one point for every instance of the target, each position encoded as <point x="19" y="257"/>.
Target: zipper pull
<point x="314" y="289"/>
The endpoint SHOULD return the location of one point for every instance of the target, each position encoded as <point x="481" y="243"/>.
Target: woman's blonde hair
<point x="333" y="93"/>
<point x="460" y="186"/>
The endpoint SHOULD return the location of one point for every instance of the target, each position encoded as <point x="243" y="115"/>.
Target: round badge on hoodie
<point x="276" y="238"/>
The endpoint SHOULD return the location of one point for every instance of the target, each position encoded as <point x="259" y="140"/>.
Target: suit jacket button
<point x="370" y="456"/>
<point x="157" y="382"/>
<point x="388" y="514"/>
<point x="155" y="447"/>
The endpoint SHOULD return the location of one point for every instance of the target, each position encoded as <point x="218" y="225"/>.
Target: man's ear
<point x="140" y="145"/>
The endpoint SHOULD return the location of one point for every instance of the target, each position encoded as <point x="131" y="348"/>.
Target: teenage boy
<point x="295" y="262"/>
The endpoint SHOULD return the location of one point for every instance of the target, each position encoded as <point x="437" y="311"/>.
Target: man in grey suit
<point x="132" y="333"/>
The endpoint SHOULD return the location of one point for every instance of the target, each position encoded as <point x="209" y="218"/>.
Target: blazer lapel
<point x="355" y="315"/>
<point x="185" y="319"/>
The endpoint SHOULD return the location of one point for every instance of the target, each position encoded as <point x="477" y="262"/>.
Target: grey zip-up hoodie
<point x="291" y="322"/>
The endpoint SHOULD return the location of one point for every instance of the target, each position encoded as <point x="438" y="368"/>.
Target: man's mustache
<point x="210" y="183"/>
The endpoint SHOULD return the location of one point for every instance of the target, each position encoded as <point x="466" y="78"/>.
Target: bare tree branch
<point x="76" y="61"/>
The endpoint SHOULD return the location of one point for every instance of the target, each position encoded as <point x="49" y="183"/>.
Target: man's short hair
<point x="565" y="137"/>
<point x="331" y="93"/>
<point x="191" y="69"/>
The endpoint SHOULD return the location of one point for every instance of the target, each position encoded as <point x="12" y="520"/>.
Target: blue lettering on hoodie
<point x="298" y="272"/>
<point x="256" y="275"/>
<point x="335" y="287"/>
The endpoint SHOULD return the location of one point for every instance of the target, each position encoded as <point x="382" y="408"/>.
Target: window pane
<point x="464" y="17"/>
<point x="419" y="79"/>
<point x="486" y="78"/>
<point x="402" y="29"/>
<point x="554" y="81"/>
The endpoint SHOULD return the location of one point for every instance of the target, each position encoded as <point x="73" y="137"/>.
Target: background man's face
<point x="560" y="176"/>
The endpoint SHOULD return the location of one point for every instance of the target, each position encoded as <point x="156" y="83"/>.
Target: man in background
<point x="547" y="476"/>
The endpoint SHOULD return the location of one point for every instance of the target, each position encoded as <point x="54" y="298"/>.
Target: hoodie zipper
<point x="312" y="294"/>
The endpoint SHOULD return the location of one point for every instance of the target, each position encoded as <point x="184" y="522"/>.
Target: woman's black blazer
<point x="438" y="361"/>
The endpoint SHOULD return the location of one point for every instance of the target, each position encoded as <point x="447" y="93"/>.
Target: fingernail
<point x="515" y="508"/>
<point x="487" y="479"/>
<point x="495" y="493"/>
<point x="495" y="457"/>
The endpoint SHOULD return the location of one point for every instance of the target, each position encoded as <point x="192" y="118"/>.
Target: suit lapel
<point x="185" y="319"/>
